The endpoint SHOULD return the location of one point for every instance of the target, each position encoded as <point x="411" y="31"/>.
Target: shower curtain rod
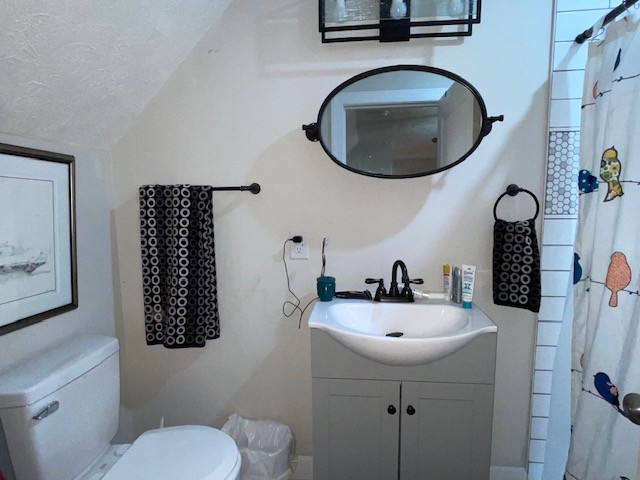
<point x="584" y="36"/>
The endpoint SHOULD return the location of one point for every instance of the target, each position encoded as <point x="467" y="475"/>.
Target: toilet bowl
<point x="59" y="413"/>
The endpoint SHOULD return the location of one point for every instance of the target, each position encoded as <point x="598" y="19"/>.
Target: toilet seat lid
<point x="188" y="452"/>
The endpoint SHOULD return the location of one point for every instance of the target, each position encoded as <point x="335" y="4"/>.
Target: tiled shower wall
<point x="560" y="205"/>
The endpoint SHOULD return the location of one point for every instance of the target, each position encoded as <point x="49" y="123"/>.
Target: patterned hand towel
<point x="516" y="263"/>
<point x="178" y="265"/>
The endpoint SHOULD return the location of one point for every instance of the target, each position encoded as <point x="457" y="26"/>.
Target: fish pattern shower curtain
<point x="606" y="336"/>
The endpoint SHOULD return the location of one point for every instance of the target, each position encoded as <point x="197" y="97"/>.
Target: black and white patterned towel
<point x="178" y="265"/>
<point x="516" y="265"/>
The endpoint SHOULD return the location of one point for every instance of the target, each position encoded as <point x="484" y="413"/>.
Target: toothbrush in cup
<point x="325" y="242"/>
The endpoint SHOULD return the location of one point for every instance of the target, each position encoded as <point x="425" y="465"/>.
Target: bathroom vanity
<point x="377" y="421"/>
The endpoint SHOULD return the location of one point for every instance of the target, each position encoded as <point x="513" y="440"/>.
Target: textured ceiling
<point x="79" y="71"/>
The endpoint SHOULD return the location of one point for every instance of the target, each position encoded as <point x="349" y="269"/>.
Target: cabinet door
<point x="355" y="429"/>
<point x="446" y="431"/>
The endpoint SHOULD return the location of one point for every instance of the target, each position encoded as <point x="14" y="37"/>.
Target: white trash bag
<point x="267" y="448"/>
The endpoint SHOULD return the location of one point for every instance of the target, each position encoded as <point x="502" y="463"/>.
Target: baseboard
<point x="508" y="473"/>
<point x="304" y="471"/>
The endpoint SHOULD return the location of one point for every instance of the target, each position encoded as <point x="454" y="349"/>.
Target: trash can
<point x="267" y="448"/>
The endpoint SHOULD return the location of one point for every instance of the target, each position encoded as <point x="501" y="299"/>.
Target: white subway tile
<point x="540" y="405"/>
<point x="570" y="24"/>
<point x="567" y="84"/>
<point x="535" y="471"/>
<point x="542" y="382"/>
<point x="555" y="284"/>
<point x="539" y="428"/>
<point x="565" y="113"/>
<point x="562" y="216"/>
<point x="536" y="450"/>
<point x="569" y="56"/>
<point x="548" y="334"/>
<point x="557" y="258"/>
<point x="559" y="232"/>
<point x="567" y="5"/>
<point x="545" y="357"/>
<point x="552" y="309"/>
<point x="562" y="130"/>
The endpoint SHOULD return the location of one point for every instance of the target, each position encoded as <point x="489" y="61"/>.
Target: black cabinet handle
<point x="411" y="410"/>
<point x="391" y="410"/>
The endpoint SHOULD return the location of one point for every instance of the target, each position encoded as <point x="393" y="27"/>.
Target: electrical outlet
<point x="299" y="251"/>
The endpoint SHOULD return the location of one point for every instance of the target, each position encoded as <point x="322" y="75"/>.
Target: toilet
<point x="59" y="412"/>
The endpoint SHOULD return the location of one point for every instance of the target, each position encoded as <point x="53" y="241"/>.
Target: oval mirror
<point x="401" y="121"/>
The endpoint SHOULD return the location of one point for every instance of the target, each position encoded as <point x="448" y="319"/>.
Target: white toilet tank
<point x="80" y="383"/>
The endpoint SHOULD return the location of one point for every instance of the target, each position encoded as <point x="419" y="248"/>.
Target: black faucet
<point x="395" y="295"/>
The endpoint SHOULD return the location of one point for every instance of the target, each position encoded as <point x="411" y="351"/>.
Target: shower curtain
<point x="606" y="338"/>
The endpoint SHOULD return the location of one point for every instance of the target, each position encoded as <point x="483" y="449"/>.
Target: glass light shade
<point x="339" y="11"/>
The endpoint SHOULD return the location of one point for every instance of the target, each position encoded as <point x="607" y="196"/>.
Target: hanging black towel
<point x="516" y="260"/>
<point x="178" y="265"/>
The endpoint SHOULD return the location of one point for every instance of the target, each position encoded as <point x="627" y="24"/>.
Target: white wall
<point x="231" y="115"/>
<point x="94" y="314"/>
<point x="81" y="72"/>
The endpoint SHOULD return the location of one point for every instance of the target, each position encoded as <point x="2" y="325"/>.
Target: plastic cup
<point x="326" y="287"/>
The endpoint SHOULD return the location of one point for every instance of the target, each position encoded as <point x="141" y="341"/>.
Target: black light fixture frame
<point x="391" y="30"/>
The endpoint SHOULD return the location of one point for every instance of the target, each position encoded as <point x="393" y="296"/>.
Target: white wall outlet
<point x="299" y="251"/>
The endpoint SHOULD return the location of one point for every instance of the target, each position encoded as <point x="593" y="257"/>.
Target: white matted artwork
<point x="37" y="236"/>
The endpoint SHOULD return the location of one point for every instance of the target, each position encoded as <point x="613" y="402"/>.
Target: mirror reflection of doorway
<point x="393" y="139"/>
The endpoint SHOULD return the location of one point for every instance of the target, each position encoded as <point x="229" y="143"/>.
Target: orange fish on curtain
<point x="610" y="168"/>
<point x="618" y="276"/>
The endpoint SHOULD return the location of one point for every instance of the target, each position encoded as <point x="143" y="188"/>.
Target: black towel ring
<point x="512" y="191"/>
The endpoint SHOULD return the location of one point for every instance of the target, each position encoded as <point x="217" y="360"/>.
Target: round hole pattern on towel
<point x="178" y="265"/>
<point x="516" y="265"/>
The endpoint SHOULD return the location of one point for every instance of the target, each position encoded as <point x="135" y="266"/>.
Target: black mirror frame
<point x="312" y="131"/>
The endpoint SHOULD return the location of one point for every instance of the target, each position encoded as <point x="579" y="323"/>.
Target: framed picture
<point x="38" y="277"/>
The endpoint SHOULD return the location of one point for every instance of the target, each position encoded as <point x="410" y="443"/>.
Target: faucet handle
<point x="380" y="291"/>
<point x="406" y="291"/>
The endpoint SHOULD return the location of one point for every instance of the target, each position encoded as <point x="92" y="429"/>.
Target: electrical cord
<point x="296" y="306"/>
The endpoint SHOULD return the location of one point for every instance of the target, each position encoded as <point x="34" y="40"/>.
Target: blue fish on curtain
<point x="607" y="390"/>
<point x="587" y="182"/>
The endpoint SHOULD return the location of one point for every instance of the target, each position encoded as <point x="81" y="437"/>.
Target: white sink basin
<point x="430" y="330"/>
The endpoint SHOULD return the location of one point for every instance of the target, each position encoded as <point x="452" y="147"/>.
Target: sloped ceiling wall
<point x="79" y="71"/>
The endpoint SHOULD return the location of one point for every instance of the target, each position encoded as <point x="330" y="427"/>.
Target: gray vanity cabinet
<point x="357" y="434"/>
<point x="378" y="422"/>
<point x="446" y="431"/>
